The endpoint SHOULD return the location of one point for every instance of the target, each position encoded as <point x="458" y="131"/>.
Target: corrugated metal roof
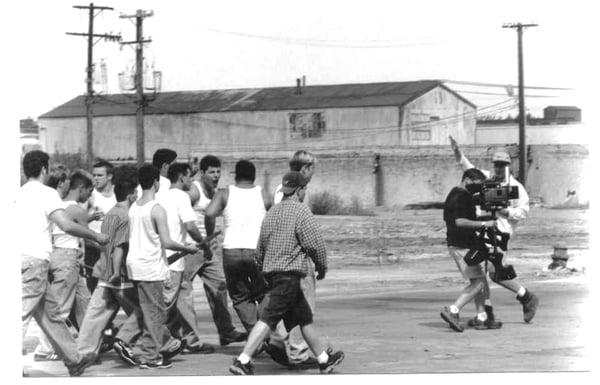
<point x="256" y="99"/>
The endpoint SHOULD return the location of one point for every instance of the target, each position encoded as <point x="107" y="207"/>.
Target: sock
<point x="453" y="309"/>
<point x="521" y="292"/>
<point x="323" y="357"/>
<point x="487" y="302"/>
<point x="482" y="316"/>
<point x="244" y="358"/>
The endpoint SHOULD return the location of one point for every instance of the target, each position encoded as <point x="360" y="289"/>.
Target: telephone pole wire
<point x="522" y="144"/>
<point x="89" y="97"/>
<point x="139" y="16"/>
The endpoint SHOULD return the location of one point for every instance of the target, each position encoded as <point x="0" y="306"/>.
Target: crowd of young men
<point x="137" y="241"/>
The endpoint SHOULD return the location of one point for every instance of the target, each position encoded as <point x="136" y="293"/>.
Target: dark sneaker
<point x="240" y="369"/>
<point x="488" y="324"/>
<point x="198" y="349"/>
<point x="87" y="360"/>
<point x="334" y="360"/>
<point x="474" y="322"/>
<point x="46" y="357"/>
<point x="125" y="352"/>
<point x="452" y="319"/>
<point x="309" y="363"/>
<point x="530" y="304"/>
<point x="234" y="336"/>
<point x="161" y="364"/>
<point x="177" y="347"/>
<point x="277" y="354"/>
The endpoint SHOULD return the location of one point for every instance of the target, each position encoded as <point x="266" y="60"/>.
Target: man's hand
<point x="102" y="238"/>
<point x="97" y="215"/>
<point x="489" y="224"/>
<point x="192" y="249"/>
<point x="320" y="274"/>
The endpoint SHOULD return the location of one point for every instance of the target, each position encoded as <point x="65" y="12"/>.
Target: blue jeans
<point x="242" y="275"/>
<point x="155" y="334"/>
<point x="69" y="288"/>
<point x="104" y="305"/>
<point x="44" y="306"/>
<point x="215" y="288"/>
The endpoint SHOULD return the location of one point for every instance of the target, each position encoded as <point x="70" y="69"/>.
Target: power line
<point x="320" y="43"/>
<point x="469" y="83"/>
<point x="89" y="99"/>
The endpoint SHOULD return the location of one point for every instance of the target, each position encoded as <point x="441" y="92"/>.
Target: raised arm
<point x="460" y="158"/>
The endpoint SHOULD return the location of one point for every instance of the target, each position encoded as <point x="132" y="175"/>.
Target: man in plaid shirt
<point x="289" y="235"/>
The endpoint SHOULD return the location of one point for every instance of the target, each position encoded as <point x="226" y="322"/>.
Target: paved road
<point x="394" y="329"/>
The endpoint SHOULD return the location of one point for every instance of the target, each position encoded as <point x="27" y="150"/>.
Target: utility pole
<point x="522" y="144"/>
<point x="139" y="16"/>
<point x="89" y="97"/>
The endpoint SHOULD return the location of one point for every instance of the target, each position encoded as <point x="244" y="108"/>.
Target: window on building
<point x="423" y="134"/>
<point x="307" y="125"/>
<point x="434" y="118"/>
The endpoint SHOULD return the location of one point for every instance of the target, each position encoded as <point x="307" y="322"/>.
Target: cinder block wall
<point x="421" y="174"/>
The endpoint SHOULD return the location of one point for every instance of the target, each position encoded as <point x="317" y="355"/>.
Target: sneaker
<point x="309" y="363"/>
<point x="474" y="322"/>
<point x="333" y="360"/>
<point x="179" y="346"/>
<point x="198" y="349"/>
<point x="530" y="304"/>
<point x="77" y="369"/>
<point x="488" y="324"/>
<point x="160" y="364"/>
<point x="234" y="336"/>
<point x="452" y="319"/>
<point x="240" y="369"/>
<point x="125" y="352"/>
<point x="46" y="357"/>
<point x="277" y="354"/>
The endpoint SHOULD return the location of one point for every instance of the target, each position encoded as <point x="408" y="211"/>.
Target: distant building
<point x="562" y="114"/>
<point x="28" y="127"/>
<point x="244" y="122"/>
<point x="29" y="135"/>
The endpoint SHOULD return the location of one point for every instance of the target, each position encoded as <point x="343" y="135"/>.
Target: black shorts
<point x="285" y="300"/>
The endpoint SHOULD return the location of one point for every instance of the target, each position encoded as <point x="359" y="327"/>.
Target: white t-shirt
<point x="62" y="239"/>
<point x="34" y="205"/>
<point x="103" y="203"/>
<point x="243" y="217"/>
<point x="179" y="211"/>
<point x="146" y="260"/>
<point x="200" y="208"/>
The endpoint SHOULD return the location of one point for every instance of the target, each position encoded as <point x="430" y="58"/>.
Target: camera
<point x="491" y="195"/>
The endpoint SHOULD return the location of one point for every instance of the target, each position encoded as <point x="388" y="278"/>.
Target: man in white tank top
<point x="65" y="264"/>
<point x="243" y="206"/>
<point x="147" y="267"/>
<point x="102" y="200"/>
<point x="290" y="349"/>
<point x="210" y="270"/>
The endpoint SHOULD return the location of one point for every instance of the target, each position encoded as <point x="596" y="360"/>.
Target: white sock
<point x="487" y="302"/>
<point x="244" y="358"/>
<point x="482" y="316"/>
<point x="453" y="309"/>
<point x="323" y="357"/>
<point x="521" y="292"/>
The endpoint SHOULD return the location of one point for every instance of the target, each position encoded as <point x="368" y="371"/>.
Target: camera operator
<point x="462" y="239"/>
<point x="508" y="218"/>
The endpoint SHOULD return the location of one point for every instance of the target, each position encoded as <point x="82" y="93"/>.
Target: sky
<point x="199" y="45"/>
